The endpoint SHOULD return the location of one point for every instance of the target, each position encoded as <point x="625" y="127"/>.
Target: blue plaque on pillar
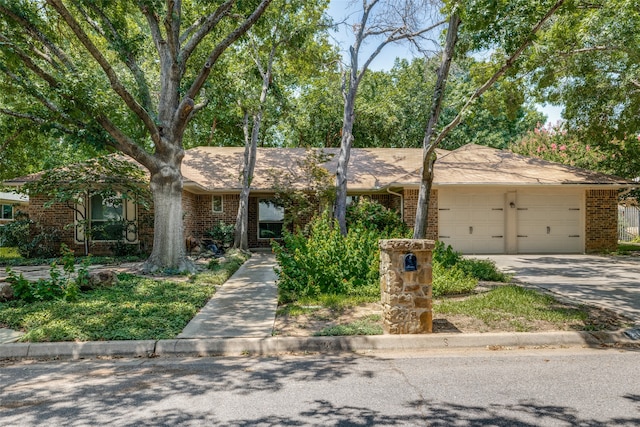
<point x="410" y="262"/>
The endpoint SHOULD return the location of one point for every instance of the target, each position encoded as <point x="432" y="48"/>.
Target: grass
<point x="136" y="308"/>
<point x="10" y="257"/>
<point x="9" y="254"/>
<point x="515" y="308"/>
<point x="368" y="325"/>
<point x="335" y="302"/>
<point x="625" y="248"/>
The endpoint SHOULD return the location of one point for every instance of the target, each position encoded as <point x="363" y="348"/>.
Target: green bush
<point x="376" y="217"/>
<point x="16" y="232"/>
<point x="60" y="284"/>
<point x="323" y="261"/>
<point x="451" y="281"/>
<point x="445" y="255"/>
<point x="222" y="234"/>
<point x="482" y="269"/>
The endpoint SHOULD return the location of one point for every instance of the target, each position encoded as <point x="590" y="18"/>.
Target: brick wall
<point x="601" y="220"/>
<point x="410" y="206"/>
<point x="59" y="219"/>
<point x="206" y="219"/>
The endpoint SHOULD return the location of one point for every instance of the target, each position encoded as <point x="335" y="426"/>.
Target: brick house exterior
<point x="476" y="190"/>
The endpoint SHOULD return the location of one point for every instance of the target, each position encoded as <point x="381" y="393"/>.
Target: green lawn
<point x="9" y="254"/>
<point x="136" y="308"/>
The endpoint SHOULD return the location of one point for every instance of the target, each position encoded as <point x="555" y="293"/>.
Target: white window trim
<point x="83" y="213"/>
<point x="268" y="222"/>
<point x="221" y="204"/>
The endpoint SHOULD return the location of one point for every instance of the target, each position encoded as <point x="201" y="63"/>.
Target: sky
<point x="340" y="10"/>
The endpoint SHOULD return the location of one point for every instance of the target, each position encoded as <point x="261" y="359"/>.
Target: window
<point x="270" y="219"/>
<point x="6" y="212"/>
<point x="216" y="204"/>
<point x="106" y="219"/>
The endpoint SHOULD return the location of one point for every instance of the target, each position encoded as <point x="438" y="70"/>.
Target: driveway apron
<point x="611" y="282"/>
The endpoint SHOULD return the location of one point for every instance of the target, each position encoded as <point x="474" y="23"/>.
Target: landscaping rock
<point x="6" y="291"/>
<point x="100" y="279"/>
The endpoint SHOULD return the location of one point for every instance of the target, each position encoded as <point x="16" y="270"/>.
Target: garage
<point x="491" y="221"/>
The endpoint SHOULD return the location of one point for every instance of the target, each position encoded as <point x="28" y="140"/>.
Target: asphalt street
<point x="560" y="387"/>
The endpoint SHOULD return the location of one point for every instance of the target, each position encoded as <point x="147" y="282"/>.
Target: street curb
<point x="278" y="345"/>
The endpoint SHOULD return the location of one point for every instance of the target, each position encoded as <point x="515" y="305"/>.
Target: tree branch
<point x="116" y="85"/>
<point x="33" y="31"/>
<point x="172" y="28"/>
<point x="222" y="46"/>
<point x="124" y="144"/>
<point x="115" y="40"/>
<point x="508" y="64"/>
<point x="35" y="119"/>
<point x="205" y="27"/>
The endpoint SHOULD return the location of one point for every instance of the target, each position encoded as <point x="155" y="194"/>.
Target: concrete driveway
<point x="611" y="282"/>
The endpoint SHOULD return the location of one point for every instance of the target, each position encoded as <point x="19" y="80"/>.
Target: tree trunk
<point x="169" y="250"/>
<point x="429" y="155"/>
<point x="241" y="238"/>
<point x="340" y="212"/>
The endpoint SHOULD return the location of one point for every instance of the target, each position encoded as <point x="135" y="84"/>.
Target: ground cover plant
<point x="460" y="305"/>
<point x="136" y="307"/>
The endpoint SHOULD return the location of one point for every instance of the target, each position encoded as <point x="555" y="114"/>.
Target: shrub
<point x="60" y="285"/>
<point x="482" y="269"/>
<point x="222" y="234"/>
<point x="451" y="280"/>
<point x="445" y="255"/>
<point x="323" y="261"/>
<point x="16" y="232"/>
<point x="376" y="217"/>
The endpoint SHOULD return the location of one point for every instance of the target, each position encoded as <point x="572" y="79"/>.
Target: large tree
<point x="588" y="61"/>
<point x="507" y="28"/>
<point x="127" y="75"/>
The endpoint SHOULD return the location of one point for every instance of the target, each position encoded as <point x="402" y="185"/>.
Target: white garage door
<point x="472" y="222"/>
<point x="549" y="222"/>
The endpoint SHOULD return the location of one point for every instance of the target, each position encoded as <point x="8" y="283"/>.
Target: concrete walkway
<point x="245" y="306"/>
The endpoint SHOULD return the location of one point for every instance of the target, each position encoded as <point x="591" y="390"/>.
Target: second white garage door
<point x="549" y="222"/>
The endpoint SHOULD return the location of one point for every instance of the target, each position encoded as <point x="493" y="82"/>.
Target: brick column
<point x="406" y="295"/>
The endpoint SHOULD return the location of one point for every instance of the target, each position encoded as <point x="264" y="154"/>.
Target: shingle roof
<point x="476" y="164"/>
<point x="219" y="168"/>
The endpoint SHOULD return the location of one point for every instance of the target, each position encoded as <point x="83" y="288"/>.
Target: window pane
<point x="267" y="211"/>
<point x="101" y="210"/>
<point x="217" y="203"/>
<point x="106" y="220"/>
<point x="7" y="212"/>
<point x="270" y="230"/>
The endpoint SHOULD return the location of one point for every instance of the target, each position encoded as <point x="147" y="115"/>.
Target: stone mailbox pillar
<point x="405" y="284"/>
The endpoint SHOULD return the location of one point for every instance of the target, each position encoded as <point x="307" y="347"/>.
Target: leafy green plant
<point x="482" y="269"/>
<point x="222" y="234"/>
<point x="445" y="255"/>
<point x="451" y="281"/>
<point x="322" y="261"/>
<point x="376" y="216"/>
<point x="134" y="308"/>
